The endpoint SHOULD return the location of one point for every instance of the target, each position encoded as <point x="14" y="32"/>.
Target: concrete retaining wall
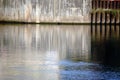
<point x="45" y="10"/>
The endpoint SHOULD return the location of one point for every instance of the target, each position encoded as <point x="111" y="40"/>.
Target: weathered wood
<point x="106" y="7"/>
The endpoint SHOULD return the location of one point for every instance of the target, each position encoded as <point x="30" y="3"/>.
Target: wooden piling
<point x="101" y="16"/>
<point x="96" y="15"/>
<point x="115" y="21"/>
<point x="110" y="23"/>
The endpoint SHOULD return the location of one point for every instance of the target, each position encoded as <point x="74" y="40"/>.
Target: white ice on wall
<point x="45" y="10"/>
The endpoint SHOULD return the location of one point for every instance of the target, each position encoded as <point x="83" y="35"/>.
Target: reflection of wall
<point x="34" y="51"/>
<point x="45" y="10"/>
<point x="69" y="41"/>
<point x="28" y="64"/>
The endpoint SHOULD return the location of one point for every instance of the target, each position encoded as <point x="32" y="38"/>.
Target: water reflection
<point x="63" y="39"/>
<point x="56" y="52"/>
<point x="105" y="44"/>
<point x="33" y="52"/>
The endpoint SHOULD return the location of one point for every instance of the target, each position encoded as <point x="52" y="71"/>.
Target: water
<point x="52" y="52"/>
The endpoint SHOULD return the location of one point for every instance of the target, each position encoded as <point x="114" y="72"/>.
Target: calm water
<point x="57" y="52"/>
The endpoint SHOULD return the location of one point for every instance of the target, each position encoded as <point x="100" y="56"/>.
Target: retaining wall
<point x="45" y="10"/>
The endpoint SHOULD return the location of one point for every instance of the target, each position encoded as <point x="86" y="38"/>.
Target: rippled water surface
<point x="52" y="52"/>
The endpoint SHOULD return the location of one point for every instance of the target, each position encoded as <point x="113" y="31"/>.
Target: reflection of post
<point x="44" y="62"/>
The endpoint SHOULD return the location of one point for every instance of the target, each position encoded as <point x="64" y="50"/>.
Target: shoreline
<point x="56" y="23"/>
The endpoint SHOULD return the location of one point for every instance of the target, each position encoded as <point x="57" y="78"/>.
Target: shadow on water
<point x="105" y="46"/>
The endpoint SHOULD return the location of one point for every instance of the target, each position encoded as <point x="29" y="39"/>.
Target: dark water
<point x="57" y="52"/>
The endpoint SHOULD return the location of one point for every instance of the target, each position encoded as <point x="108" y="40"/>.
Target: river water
<point x="57" y="52"/>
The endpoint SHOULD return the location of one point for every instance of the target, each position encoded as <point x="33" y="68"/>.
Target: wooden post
<point x="105" y="22"/>
<point x="96" y="15"/>
<point x="115" y="22"/>
<point x="101" y="16"/>
<point x="110" y="22"/>
<point x="99" y="3"/>
<point x="118" y="4"/>
<point x="113" y="5"/>
<point x="106" y="4"/>
<point x="119" y="17"/>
